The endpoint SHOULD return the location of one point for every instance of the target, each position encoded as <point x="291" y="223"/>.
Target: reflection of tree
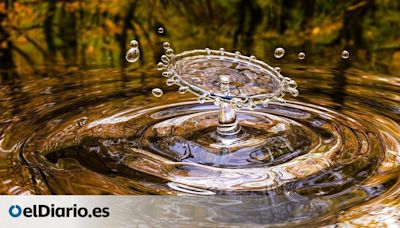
<point x="249" y="18"/>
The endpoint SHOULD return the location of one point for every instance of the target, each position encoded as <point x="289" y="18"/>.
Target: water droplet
<point x="345" y="54"/>
<point x="164" y="59"/>
<point x="279" y="52"/>
<point x="301" y="55"/>
<point x="169" y="52"/>
<point x="217" y="101"/>
<point x="166" y="45"/>
<point x="252" y="58"/>
<point x="134" y="44"/>
<point x="161" y="66"/>
<point x="170" y="82"/>
<point x="237" y="54"/>
<point x="166" y="74"/>
<point x="278" y="69"/>
<point x="183" y="89"/>
<point x="292" y="84"/>
<point x="160" y="30"/>
<point x="222" y="51"/>
<point x="208" y="51"/>
<point x="202" y="99"/>
<point x="294" y="92"/>
<point x="157" y="92"/>
<point x="132" y="55"/>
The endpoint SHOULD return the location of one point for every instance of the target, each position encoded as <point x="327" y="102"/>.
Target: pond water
<point x="328" y="156"/>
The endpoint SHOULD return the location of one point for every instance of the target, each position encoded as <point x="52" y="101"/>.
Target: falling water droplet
<point x="160" y="66"/>
<point x="169" y="52"/>
<point x="301" y="55"/>
<point x="160" y="30"/>
<point x="278" y="69"/>
<point x="279" y="52"/>
<point x="164" y="59"/>
<point x="157" y="92"/>
<point x="183" y="89"/>
<point x="170" y="82"/>
<point x="345" y="54"/>
<point x="222" y="51"/>
<point x="133" y="54"/>
<point x="166" y="45"/>
<point x="166" y="74"/>
<point x="134" y="44"/>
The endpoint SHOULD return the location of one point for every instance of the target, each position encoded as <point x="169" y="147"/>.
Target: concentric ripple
<point x="307" y="159"/>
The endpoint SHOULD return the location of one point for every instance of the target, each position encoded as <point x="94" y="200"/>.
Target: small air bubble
<point x="279" y="52"/>
<point x="160" y="30"/>
<point x="157" y="92"/>
<point x="301" y="55"/>
<point x="345" y="54"/>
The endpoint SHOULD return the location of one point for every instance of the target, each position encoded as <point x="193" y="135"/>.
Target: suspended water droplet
<point x="157" y="92"/>
<point x="217" y="101"/>
<point x="169" y="52"/>
<point x="183" y="89"/>
<point x="279" y="52"/>
<point x="161" y="66"/>
<point x="301" y="55"/>
<point x="345" y="54"/>
<point x="222" y="51"/>
<point x="164" y="59"/>
<point x="132" y="55"/>
<point x="166" y="74"/>
<point x="237" y="54"/>
<point x="202" y="99"/>
<point x="166" y="45"/>
<point x="160" y="30"/>
<point x="294" y="92"/>
<point x="134" y="44"/>
<point x="278" y="69"/>
<point x="170" y="82"/>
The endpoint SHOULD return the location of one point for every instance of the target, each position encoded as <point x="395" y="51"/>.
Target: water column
<point x="227" y="122"/>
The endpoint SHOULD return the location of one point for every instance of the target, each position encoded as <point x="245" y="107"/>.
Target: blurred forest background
<point x="93" y="33"/>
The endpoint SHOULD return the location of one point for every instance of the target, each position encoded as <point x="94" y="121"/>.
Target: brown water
<point x="333" y="152"/>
